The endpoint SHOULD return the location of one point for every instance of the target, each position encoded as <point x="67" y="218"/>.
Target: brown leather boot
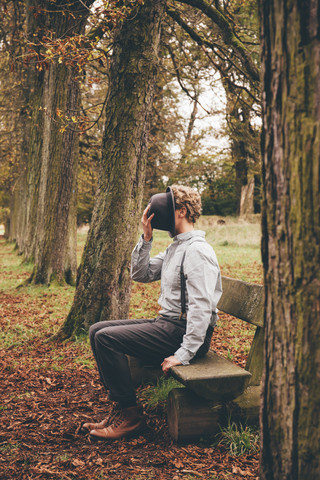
<point x="115" y="412"/>
<point x="130" y="421"/>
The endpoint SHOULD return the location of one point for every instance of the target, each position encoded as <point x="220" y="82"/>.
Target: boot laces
<point x="116" y="415"/>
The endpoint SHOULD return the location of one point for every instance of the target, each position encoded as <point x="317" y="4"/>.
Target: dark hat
<point x="163" y="207"/>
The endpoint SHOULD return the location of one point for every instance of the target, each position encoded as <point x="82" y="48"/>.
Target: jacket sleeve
<point x="144" y="269"/>
<point x="202" y="273"/>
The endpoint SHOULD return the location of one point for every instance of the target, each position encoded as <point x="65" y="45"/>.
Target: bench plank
<point x="242" y="300"/>
<point x="213" y="377"/>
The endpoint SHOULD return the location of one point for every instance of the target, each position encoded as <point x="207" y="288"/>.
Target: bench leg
<point x="246" y="407"/>
<point x="141" y="373"/>
<point x="191" y="417"/>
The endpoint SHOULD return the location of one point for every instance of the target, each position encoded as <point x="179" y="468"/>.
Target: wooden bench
<point x="216" y="389"/>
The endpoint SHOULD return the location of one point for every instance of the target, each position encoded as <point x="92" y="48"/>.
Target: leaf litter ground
<point x="48" y="389"/>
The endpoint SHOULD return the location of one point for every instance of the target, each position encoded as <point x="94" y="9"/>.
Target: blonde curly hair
<point x="190" y="199"/>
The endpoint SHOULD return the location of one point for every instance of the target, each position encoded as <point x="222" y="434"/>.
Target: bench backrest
<point x="246" y="301"/>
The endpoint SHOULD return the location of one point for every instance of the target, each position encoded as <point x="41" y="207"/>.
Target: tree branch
<point x="202" y="43"/>
<point x="185" y="89"/>
<point x="228" y="34"/>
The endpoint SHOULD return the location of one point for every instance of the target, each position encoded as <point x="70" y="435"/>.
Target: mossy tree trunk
<point x="55" y="231"/>
<point x="291" y="239"/>
<point x="30" y="121"/>
<point x="31" y="156"/>
<point x="55" y="209"/>
<point x="50" y="210"/>
<point x="103" y="282"/>
<point x="17" y="217"/>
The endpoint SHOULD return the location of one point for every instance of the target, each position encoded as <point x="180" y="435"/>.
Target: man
<point x="188" y="312"/>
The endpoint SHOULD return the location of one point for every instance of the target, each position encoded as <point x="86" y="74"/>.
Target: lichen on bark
<point x="291" y="240"/>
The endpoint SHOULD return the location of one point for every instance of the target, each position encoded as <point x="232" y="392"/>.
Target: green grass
<point x="35" y="306"/>
<point x="239" y="439"/>
<point x="235" y="231"/>
<point x="230" y="356"/>
<point x="28" y="305"/>
<point x="156" y="394"/>
<point x="81" y="240"/>
<point x="13" y="272"/>
<point x="86" y="362"/>
<point x="236" y="244"/>
<point x="10" y="448"/>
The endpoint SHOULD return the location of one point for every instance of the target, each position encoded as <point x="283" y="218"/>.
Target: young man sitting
<point x="188" y="314"/>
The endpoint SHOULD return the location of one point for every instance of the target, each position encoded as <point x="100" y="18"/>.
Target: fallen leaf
<point x="78" y="463"/>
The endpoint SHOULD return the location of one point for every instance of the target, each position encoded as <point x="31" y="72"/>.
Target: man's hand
<point x="146" y="224"/>
<point x="168" y="363"/>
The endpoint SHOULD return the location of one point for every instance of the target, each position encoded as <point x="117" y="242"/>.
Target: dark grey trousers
<point x="149" y="340"/>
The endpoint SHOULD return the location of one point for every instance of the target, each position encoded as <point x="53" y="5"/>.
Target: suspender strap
<point x="183" y="288"/>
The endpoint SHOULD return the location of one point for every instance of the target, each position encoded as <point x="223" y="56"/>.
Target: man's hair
<point x="190" y="199"/>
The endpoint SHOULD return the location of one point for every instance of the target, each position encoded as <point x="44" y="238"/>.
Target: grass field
<point x="48" y="388"/>
<point x="236" y="243"/>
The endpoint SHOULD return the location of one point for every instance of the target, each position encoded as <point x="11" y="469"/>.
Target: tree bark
<point x="31" y="155"/>
<point x="238" y="126"/>
<point x="103" y="283"/>
<point x="290" y="418"/>
<point x="247" y="198"/>
<point x="57" y="182"/>
<point x="16" y="230"/>
<point x="30" y="88"/>
<point x="52" y="155"/>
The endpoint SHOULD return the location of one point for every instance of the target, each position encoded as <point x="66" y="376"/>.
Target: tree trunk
<point x="31" y="155"/>
<point x="240" y="159"/>
<point x="103" y="283"/>
<point x="247" y="198"/>
<point x="52" y="155"/>
<point x="57" y="184"/>
<point x="291" y="239"/>
<point x="16" y="231"/>
<point x="29" y="115"/>
<point x="238" y="126"/>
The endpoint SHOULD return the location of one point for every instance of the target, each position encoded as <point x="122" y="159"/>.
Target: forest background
<point x="80" y="75"/>
<point x="58" y="69"/>
<point x="77" y="74"/>
<point x="205" y="119"/>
